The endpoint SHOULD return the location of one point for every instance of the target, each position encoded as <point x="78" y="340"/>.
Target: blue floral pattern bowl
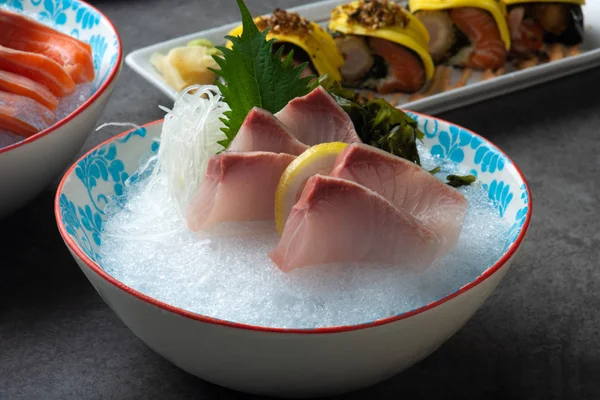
<point x="232" y="354"/>
<point x="28" y="166"/>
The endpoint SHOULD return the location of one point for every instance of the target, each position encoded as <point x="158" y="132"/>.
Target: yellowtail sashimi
<point x="407" y="186"/>
<point x="238" y="187"/>
<point x="316" y="118"/>
<point x="262" y="131"/>
<point x="338" y="221"/>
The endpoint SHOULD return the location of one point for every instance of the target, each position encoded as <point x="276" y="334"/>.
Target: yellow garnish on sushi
<point x="310" y="42"/>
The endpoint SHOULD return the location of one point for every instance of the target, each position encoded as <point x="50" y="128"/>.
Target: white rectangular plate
<point x="475" y="90"/>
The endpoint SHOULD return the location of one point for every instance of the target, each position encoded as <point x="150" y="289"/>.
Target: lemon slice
<point x="318" y="159"/>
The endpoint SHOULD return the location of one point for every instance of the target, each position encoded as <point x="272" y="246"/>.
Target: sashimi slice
<point x="23" y="86"/>
<point x="317" y="118"/>
<point x="20" y="32"/>
<point x="407" y="186"/>
<point x="338" y="221"/>
<point x="23" y="116"/>
<point x="261" y="131"/>
<point x="237" y="187"/>
<point x="39" y="68"/>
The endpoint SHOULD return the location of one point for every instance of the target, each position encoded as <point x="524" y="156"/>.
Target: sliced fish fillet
<point x="262" y="131"/>
<point x="23" y="116"/>
<point x="407" y="186"/>
<point x="22" y="33"/>
<point x="480" y="27"/>
<point x="237" y="187"/>
<point x="316" y="118"/>
<point x="23" y="86"/>
<point x="38" y="68"/>
<point x="338" y="221"/>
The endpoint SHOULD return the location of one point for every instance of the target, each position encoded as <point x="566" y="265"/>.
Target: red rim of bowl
<point x="333" y="329"/>
<point x="88" y="102"/>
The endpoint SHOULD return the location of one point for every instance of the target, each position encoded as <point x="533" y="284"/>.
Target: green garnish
<point x="377" y="122"/>
<point x="460" y="180"/>
<point x="435" y="170"/>
<point x="255" y="77"/>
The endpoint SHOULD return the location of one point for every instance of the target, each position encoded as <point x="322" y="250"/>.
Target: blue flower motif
<point x="99" y="46"/>
<point x="489" y="159"/>
<point x="92" y="221"/>
<point x="69" y="215"/>
<point x="430" y="129"/>
<point x="16" y="4"/>
<point x="524" y="194"/>
<point x="500" y="194"/>
<point x="54" y="10"/>
<point x="514" y="230"/>
<point x="100" y="164"/>
<point x="141" y="132"/>
<point x="85" y="16"/>
<point x="74" y="228"/>
<point x="75" y="33"/>
<point x="451" y="143"/>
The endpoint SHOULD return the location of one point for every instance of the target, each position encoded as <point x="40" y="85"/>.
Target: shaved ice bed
<point x="66" y="106"/>
<point x="146" y="245"/>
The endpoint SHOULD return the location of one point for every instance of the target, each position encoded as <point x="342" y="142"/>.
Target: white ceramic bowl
<point x="29" y="166"/>
<point x="285" y="362"/>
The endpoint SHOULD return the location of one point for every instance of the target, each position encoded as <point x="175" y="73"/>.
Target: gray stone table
<point x="537" y="337"/>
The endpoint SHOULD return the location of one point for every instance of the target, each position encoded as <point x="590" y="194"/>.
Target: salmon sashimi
<point x="38" y="68"/>
<point x="262" y="131"/>
<point x="237" y="187"/>
<point x="338" y="221"/>
<point x="488" y="49"/>
<point x="22" y="33"/>
<point x="525" y="33"/>
<point x="407" y="186"/>
<point x="23" y="86"/>
<point x="23" y="116"/>
<point x="406" y="72"/>
<point x="316" y="118"/>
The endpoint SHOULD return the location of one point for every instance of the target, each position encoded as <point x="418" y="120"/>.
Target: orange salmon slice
<point x="23" y="86"/>
<point x="23" y="116"/>
<point x="26" y="34"/>
<point x="38" y="68"/>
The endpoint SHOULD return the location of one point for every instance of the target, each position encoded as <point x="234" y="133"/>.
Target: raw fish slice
<point x="406" y="71"/>
<point x="22" y="115"/>
<point x="26" y="34"/>
<point x="480" y="27"/>
<point x="337" y="220"/>
<point x="20" y="85"/>
<point x="407" y="186"/>
<point x="237" y="187"/>
<point x="316" y="118"/>
<point x="39" y="68"/>
<point x="261" y="131"/>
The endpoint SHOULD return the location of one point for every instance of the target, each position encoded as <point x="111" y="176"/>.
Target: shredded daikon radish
<point x="190" y="135"/>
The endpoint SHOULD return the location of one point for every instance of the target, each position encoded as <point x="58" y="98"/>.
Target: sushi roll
<point x="465" y="33"/>
<point x="309" y="41"/>
<point x="383" y="45"/>
<point x="533" y="24"/>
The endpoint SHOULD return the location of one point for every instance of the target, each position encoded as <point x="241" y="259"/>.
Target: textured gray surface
<point x="536" y="338"/>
